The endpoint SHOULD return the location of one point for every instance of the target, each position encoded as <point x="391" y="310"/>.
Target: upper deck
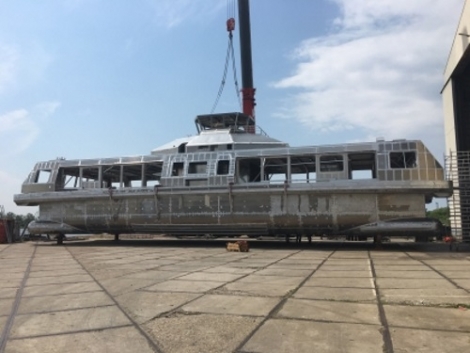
<point x="380" y="165"/>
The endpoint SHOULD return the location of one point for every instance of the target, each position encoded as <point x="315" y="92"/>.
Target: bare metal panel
<point x="397" y="203"/>
<point x="190" y="193"/>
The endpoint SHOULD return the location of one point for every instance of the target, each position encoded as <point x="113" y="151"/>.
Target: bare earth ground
<point x="194" y="296"/>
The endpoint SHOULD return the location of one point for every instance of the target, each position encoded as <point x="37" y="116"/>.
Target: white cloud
<point x="35" y="60"/>
<point x="46" y="109"/>
<point x="8" y="66"/>
<point x="21" y="65"/>
<point x="8" y="183"/>
<point x="379" y="72"/>
<point x="17" y="131"/>
<point x="19" y="128"/>
<point x="171" y="13"/>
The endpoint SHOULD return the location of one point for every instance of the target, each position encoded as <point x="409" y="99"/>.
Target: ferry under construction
<point x="233" y="179"/>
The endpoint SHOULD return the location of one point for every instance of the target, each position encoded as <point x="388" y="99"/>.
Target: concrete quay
<point x="193" y="296"/>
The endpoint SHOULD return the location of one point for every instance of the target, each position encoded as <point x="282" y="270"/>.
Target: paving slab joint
<point x="385" y="330"/>
<point x="284" y="299"/>
<point x="155" y="347"/>
<point x="438" y="272"/>
<point x="16" y="304"/>
<point x="6" y="247"/>
<point x="216" y="290"/>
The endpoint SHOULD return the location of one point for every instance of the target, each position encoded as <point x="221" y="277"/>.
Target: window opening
<point x="111" y="176"/>
<point x="67" y="178"/>
<point x="362" y="166"/>
<point x="182" y="148"/>
<point x="132" y="175"/>
<point x="275" y="169"/>
<point x="152" y="174"/>
<point x="90" y="178"/>
<point x="249" y="170"/>
<point x="402" y="160"/>
<point x="303" y="169"/>
<point x="331" y="163"/>
<point x="43" y="176"/>
<point x="197" y="168"/>
<point x="178" y="169"/>
<point x="223" y="167"/>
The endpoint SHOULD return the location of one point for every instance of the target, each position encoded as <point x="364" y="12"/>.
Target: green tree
<point x="442" y="214"/>
<point x="21" y="220"/>
<point x="28" y="219"/>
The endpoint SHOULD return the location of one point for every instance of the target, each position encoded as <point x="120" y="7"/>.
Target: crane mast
<point x="248" y="91"/>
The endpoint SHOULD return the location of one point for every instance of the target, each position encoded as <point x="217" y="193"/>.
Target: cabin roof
<point x="221" y="137"/>
<point x="173" y="144"/>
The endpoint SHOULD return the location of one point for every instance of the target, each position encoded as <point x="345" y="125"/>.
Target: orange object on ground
<point x="449" y="239"/>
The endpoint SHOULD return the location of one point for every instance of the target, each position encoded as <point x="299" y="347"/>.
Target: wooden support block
<point x="239" y="246"/>
<point x="233" y="247"/>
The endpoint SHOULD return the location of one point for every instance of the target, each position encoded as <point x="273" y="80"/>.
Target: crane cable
<point x="235" y="80"/>
<point x="230" y="8"/>
<point x="230" y="56"/>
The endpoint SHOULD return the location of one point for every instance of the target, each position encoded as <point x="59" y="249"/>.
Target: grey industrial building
<point x="456" y="102"/>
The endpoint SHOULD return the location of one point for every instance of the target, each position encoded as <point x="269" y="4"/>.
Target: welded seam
<point x="281" y="304"/>
<point x="16" y="304"/>
<point x="386" y="336"/>
<point x="151" y="342"/>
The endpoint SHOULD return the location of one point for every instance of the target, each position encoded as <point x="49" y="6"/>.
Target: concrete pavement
<point x="179" y="296"/>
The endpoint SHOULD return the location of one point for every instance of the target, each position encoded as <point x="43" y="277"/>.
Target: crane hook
<point x="230" y="24"/>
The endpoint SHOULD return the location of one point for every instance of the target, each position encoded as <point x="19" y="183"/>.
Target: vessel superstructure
<point x="227" y="180"/>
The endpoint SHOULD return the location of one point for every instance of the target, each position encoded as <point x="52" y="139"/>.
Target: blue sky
<point x="91" y="78"/>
